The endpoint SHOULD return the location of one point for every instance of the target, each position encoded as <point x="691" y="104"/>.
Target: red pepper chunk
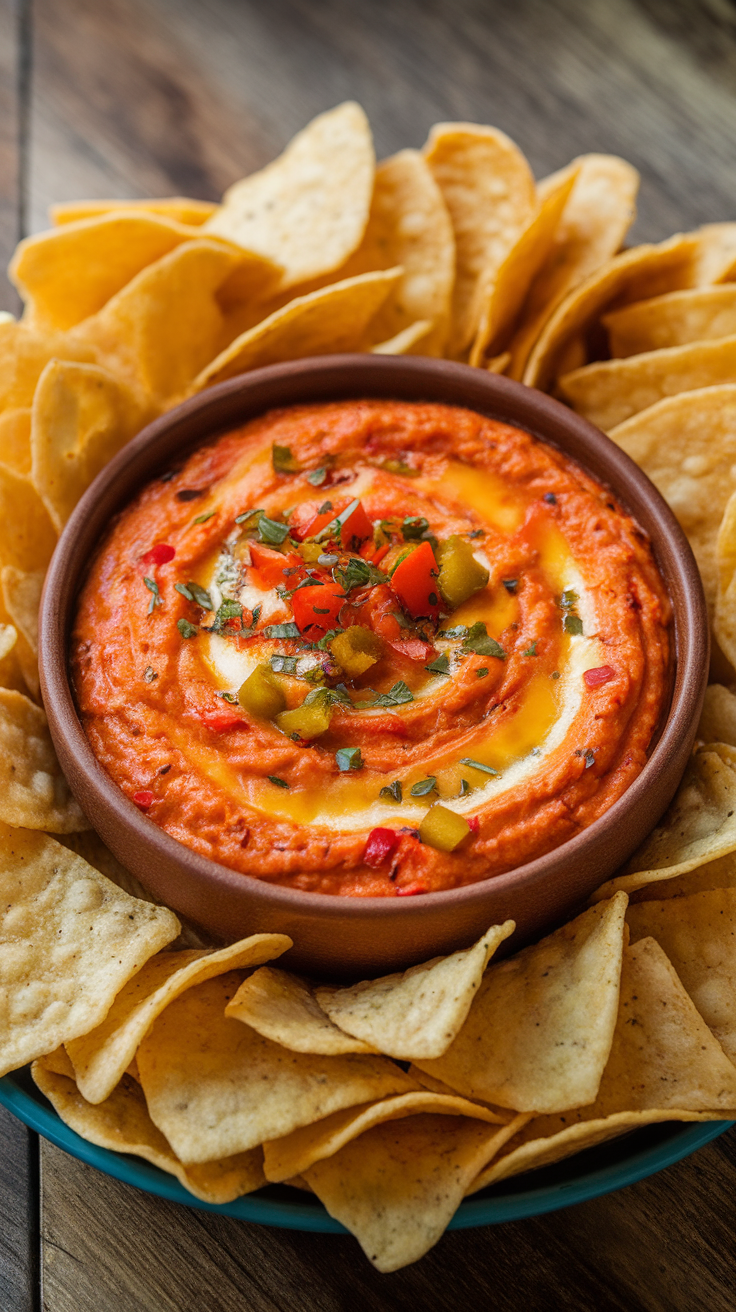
<point x="143" y="799"/>
<point x="316" y="609"/>
<point x="473" y="823"/>
<point x="161" y="554"/>
<point x="410" y="890"/>
<point x="381" y="845"/>
<point x="596" y="678"/>
<point x="270" y="565"/>
<point x="415" y="582"/>
<point x="220" y="718"/>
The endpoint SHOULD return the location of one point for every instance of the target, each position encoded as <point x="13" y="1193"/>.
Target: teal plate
<point x="588" y="1175"/>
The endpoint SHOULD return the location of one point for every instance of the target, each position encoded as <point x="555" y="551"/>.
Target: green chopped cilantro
<point x="274" y="779"/>
<point x="572" y="624"/>
<point x="424" y="787"/>
<point x="186" y="629"/>
<point x="392" y="792"/>
<point x="440" y="666"/>
<point x="479" y="642"/>
<point x="156" y="600"/>
<point x="283" y="461"/>
<point x="349" y="758"/>
<point x="478" y="765"/>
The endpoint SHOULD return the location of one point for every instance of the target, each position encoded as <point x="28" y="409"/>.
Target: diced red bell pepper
<point x="414" y="649"/>
<point x="356" y="528"/>
<point x="270" y="565"/>
<point x="143" y="799"/>
<point x="161" y="554"/>
<point x="221" y="718"/>
<point x="389" y="723"/>
<point x="306" y="522"/>
<point x="415" y="582"/>
<point x="410" y="890"/>
<point x="378" y="611"/>
<point x="596" y="678"/>
<point x="303" y="516"/>
<point x="473" y="823"/>
<point x="316" y="609"/>
<point x="381" y="845"/>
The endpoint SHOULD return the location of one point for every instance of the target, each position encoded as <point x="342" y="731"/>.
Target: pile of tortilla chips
<point x="390" y="1099"/>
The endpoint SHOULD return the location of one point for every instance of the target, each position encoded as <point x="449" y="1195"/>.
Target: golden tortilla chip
<point x="284" y="1158"/>
<point x="631" y="276"/>
<point x="665" y="1065"/>
<point x="182" y="209"/>
<point x="28" y="536"/>
<point x="416" y="1014"/>
<point x="417" y="339"/>
<point x="334" y="318"/>
<point x="215" y="1087"/>
<point x="101" y="1056"/>
<point x="697" y="315"/>
<point x="718" y="719"/>
<point x="15" y="439"/>
<point x="539" y="1032"/>
<point x="24" y="354"/>
<point x="687" y="446"/>
<point x="283" y="1008"/>
<point x="717" y="253"/>
<point x="21" y="597"/>
<point x="698" y="934"/>
<point x="123" y="1125"/>
<point x="33" y="791"/>
<point x="595" y="220"/>
<point x="397" y="1187"/>
<point x="717" y="874"/>
<point x="724" y="619"/>
<point x="490" y="193"/>
<point x="70" y="941"/>
<point x="610" y="391"/>
<point x="408" y="226"/>
<point x="308" y="209"/>
<point x="166" y="324"/>
<point x="82" y="416"/>
<point x="699" y="826"/>
<point x="505" y="293"/>
<point x="10" y="675"/>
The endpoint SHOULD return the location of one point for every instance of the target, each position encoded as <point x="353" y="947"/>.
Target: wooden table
<point x="154" y="97"/>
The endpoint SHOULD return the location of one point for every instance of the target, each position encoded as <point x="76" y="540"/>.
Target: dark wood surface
<point x="151" y="97"/>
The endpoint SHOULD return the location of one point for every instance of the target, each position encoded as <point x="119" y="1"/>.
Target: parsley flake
<point x="530" y="651"/>
<point x="228" y="697"/>
<point x="481" y="674"/>
<point x="246" y="515"/>
<point x="283" y="664"/>
<point x="396" y="696"/>
<point x="392" y="792"/>
<point x="349" y="758"/>
<point x="150" y="674"/>
<point x="156" y="600"/>
<point x="274" y="779"/>
<point x="424" y="787"/>
<point x="572" y="624"/>
<point x="186" y="629"/>
<point x="283" y="461"/>
<point x="202" y="519"/>
<point x="317" y="476"/>
<point x="479" y="642"/>
<point x="440" y="666"/>
<point x="510" y="584"/>
<point x="271" y="531"/>
<point x="568" y="600"/>
<point x="460" y="631"/>
<point x="413" y="527"/>
<point x="478" y="765"/>
<point x="288" y="630"/>
<point x="465" y="788"/>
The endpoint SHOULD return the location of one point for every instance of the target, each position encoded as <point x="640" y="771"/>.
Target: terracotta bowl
<point x="353" y="937"/>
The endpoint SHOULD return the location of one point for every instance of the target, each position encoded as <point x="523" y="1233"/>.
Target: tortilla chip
<point x="687" y="446"/>
<point x="490" y="193"/>
<point x="397" y="1187"/>
<point x="101" y="1056"/>
<point x="631" y="276"/>
<point x="408" y="226"/>
<point x="15" y="439"/>
<point x="724" y="619"/>
<point x="417" y="339"/>
<point x="70" y="941"/>
<point x="284" y="1158"/>
<point x="308" y="209"/>
<point x="540" y="1029"/>
<point x="610" y="391"/>
<point x="123" y="1125"/>
<point x="419" y="1013"/>
<point x="699" y="826"/>
<point x="24" y="354"/>
<point x="182" y="209"/>
<point x="698" y="934"/>
<point x="10" y="675"/>
<point x="718" y="719"/>
<point x="335" y="318"/>
<point x="28" y="537"/>
<point x="283" y="1008"/>
<point x="665" y="1065"/>
<point x="720" y="873"/>
<point x="595" y="220"/>
<point x="215" y="1087"/>
<point x="33" y="791"/>
<point x="697" y="315"/>
<point x="505" y="293"/>
<point x="82" y="417"/>
<point x="166" y="324"/>
<point x="21" y="596"/>
<point x="717" y="254"/>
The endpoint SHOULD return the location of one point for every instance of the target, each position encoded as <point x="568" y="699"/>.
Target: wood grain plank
<point x="664" y="1245"/>
<point x="12" y="81"/>
<point x="19" y="1223"/>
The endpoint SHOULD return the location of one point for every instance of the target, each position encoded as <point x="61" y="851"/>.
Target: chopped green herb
<point x="152" y="586"/>
<point x="356" y="573"/>
<point x="306" y="583"/>
<point x="317" y="476"/>
<point x="289" y="630"/>
<point x="150" y="674"/>
<point x="201" y="596"/>
<point x="413" y="527"/>
<point x="332" y="530"/>
<point x="202" y="519"/>
<point x="479" y="642"/>
<point x="186" y="629"/>
<point x="399" y="467"/>
<point x="246" y="515"/>
<point x="530" y="651"/>
<point x="228" y="610"/>
<point x="274" y="779"/>
<point x="283" y="461"/>
<point x="510" y="584"/>
<point x="572" y="624"/>
<point x="184" y="590"/>
<point x="478" y="765"/>
<point x="327" y="696"/>
<point x="588" y="755"/>
<point x="392" y="792"/>
<point x="481" y="674"/>
<point x="349" y="758"/>
<point x="396" y="696"/>
<point x="326" y="505"/>
<point x="555" y="674"/>
<point x="283" y="664"/>
<point x="324" y="643"/>
<point x="424" y="787"/>
<point x="465" y="788"/>
<point x="440" y="666"/>
<point x="568" y="600"/>
<point x="477" y="533"/>
<point x="270" y="530"/>
<point x="254" y="616"/>
<point x="401" y="620"/>
<point x="228" y="697"/>
<point x="460" y="631"/>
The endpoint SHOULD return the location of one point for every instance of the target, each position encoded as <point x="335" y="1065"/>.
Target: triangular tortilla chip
<point x="539" y="1032"/>
<point x="724" y="619"/>
<point x="416" y="1014"/>
<point x="283" y="1007"/>
<point x="70" y="941"/>
<point x="215" y="1087"/>
<point x="180" y="208"/>
<point x="33" y="791"/>
<point x="21" y="595"/>
<point x="28" y="537"/>
<point x="417" y="339"/>
<point x="122" y="1124"/>
<point x="718" y="718"/>
<point x="24" y="354"/>
<point x="674" y="319"/>
<point x="15" y="439"/>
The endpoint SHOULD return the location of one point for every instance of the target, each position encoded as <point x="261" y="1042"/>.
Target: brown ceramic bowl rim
<point x="370" y="376"/>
